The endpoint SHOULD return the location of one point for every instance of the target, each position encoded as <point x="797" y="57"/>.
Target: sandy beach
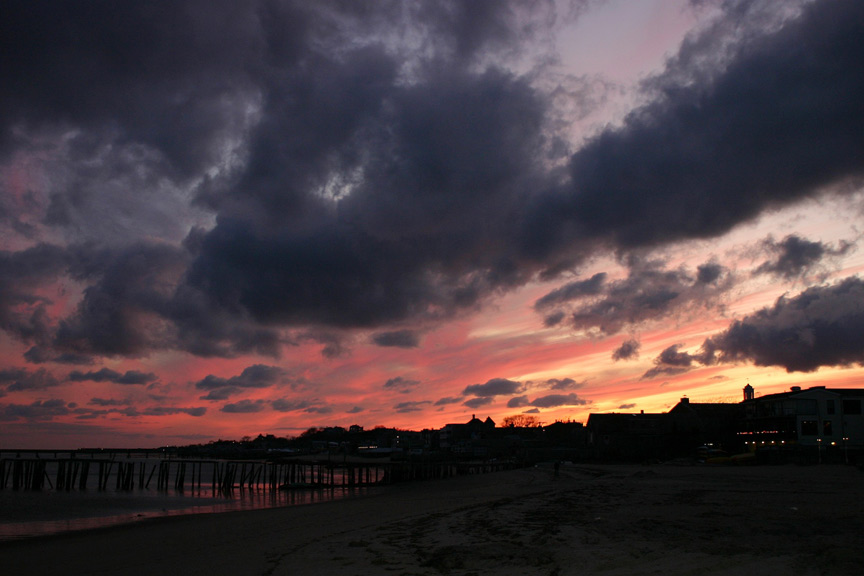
<point x="615" y="520"/>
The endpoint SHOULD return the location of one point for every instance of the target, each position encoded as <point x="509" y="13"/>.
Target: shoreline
<point x="29" y="514"/>
<point x="593" y="519"/>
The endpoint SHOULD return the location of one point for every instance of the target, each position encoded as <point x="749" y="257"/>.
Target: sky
<point x="222" y="219"/>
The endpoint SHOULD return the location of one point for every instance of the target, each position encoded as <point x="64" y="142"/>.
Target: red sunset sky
<point x="220" y="219"/>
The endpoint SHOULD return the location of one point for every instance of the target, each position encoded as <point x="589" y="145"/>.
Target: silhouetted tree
<point x="520" y="421"/>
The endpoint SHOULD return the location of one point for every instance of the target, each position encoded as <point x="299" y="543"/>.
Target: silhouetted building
<point x="699" y="423"/>
<point x="461" y="438"/>
<point x="831" y="419"/>
<point x="813" y="417"/>
<point x="630" y="436"/>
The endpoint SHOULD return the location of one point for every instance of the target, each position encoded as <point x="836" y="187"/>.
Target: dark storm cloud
<point x="319" y="410"/>
<point x="548" y="401"/>
<point x="572" y="291"/>
<point x="134" y="412"/>
<point x="821" y="326"/>
<point x="108" y="375"/>
<point x="21" y="379"/>
<point x="404" y="407"/>
<point x="553" y="319"/>
<point x="518" y="402"/>
<point x="628" y="350"/>
<point x="40" y="355"/>
<point x="671" y="362"/>
<point x="196" y="412"/>
<point x="555" y="400"/>
<point x="39" y="410"/>
<point x="205" y="330"/>
<point x="649" y="292"/>
<point x="219" y="394"/>
<point x="245" y="406"/>
<point x="775" y="120"/>
<point x="478" y="402"/>
<point x="493" y="387"/>
<point x="564" y="384"/>
<point x="107" y="402"/>
<point x="23" y="311"/>
<point x="794" y="257"/>
<point x="709" y="273"/>
<point x="626" y="406"/>
<point x="135" y="69"/>
<point x="122" y="311"/>
<point x="255" y="376"/>
<point x="467" y="30"/>
<point x="291" y="405"/>
<point x="672" y="357"/>
<point x="405" y="241"/>
<point x="364" y="165"/>
<point x="447" y="400"/>
<point x="401" y="384"/>
<point x="398" y="338"/>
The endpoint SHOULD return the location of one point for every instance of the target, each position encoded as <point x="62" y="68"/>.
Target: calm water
<point x="27" y="513"/>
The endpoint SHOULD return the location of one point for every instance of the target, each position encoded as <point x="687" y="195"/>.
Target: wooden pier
<point x="221" y="477"/>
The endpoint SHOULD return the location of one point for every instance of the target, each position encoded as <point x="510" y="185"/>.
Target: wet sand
<point x="615" y="520"/>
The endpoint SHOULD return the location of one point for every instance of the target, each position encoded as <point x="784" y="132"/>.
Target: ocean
<point x="131" y="490"/>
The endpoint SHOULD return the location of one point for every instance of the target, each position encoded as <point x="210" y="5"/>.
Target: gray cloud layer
<point x="342" y="165"/>
<point x="821" y="326"/>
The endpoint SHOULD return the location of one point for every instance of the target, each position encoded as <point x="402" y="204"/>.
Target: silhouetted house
<point x="818" y="416"/>
<point x="565" y="434"/>
<point x="678" y="432"/>
<point x="698" y="423"/>
<point x="630" y="436"/>
<point x="461" y="438"/>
